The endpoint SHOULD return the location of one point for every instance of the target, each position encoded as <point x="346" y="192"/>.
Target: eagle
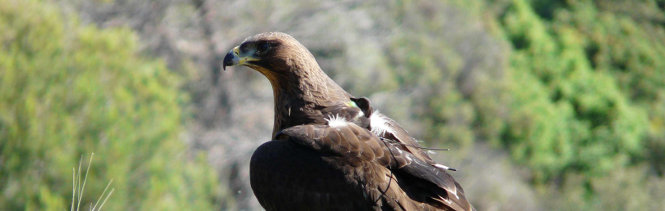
<point x="331" y="150"/>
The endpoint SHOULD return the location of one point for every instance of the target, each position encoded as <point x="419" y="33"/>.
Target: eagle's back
<point x="285" y="176"/>
<point x="306" y="171"/>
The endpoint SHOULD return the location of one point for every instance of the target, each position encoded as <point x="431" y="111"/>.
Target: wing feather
<point x="354" y="150"/>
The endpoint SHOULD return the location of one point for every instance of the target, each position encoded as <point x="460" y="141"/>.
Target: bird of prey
<point x="331" y="150"/>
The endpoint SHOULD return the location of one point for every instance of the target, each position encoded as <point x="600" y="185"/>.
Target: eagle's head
<point x="272" y="54"/>
<point x="297" y="81"/>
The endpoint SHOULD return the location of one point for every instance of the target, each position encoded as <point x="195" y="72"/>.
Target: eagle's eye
<point x="262" y="47"/>
<point x="243" y="47"/>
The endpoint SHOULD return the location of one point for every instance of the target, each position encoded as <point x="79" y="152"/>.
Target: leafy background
<point x="546" y="105"/>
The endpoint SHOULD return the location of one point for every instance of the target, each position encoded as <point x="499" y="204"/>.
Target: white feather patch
<point x="337" y="121"/>
<point x="441" y="166"/>
<point x="402" y="152"/>
<point x="379" y="124"/>
<point x="455" y="193"/>
<point x="360" y="114"/>
<point x="446" y="200"/>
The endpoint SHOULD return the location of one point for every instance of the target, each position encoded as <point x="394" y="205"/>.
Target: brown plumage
<point x="330" y="150"/>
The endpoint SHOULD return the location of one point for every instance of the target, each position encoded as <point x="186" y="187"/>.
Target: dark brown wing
<point x="287" y="176"/>
<point x="391" y="132"/>
<point x="346" y="168"/>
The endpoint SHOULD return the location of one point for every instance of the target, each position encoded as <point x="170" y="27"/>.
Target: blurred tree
<point x="586" y="86"/>
<point x="68" y="89"/>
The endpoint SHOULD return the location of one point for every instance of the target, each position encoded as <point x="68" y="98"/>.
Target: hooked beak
<point x="231" y="58"/>
<point x="235" y="58"/>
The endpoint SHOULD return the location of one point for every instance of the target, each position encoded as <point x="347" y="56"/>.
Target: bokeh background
<point x="545" y="105"/>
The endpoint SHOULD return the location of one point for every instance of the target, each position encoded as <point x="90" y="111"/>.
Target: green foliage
<point x="570" y="117"/>
<point x="586" y="85"/>
<point x="68" y="89"/>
